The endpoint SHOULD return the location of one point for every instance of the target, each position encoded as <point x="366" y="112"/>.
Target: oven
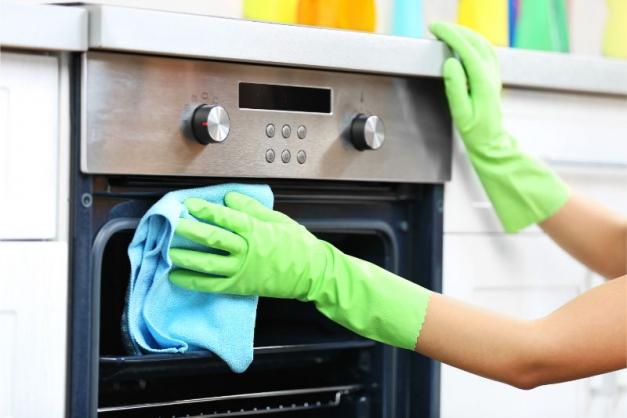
<point x="360" y="159"/>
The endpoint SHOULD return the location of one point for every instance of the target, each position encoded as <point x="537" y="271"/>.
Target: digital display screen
<point x="285" y="98"/>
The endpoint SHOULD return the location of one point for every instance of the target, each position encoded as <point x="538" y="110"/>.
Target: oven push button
<point x="286" y="131"/>
<point x="270" y="155"/>
<point x="367" y="132"/>
<point x="210" y="124"/>
<point x="301" y="157"/>
<point x="270" y="130"/>
<point x="301" y="132"/>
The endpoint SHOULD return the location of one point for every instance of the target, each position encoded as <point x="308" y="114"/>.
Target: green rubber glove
<point x="266" y="253"/>
<point x="522" y="190"/>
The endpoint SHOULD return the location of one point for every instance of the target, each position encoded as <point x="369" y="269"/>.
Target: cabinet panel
<point x="568" y="127"/>
<point x="527" y="276"/>
<point x="583" y="138"/>
<point x="29" y="131"/>
<point x="7" y="355"/>
<point x="606" y="185"/>
<point x="521" y="269"/>
<point x="468" y="396"/>
<point x="33" y="323"/>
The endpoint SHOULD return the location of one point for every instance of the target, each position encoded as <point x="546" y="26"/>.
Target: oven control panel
<point x="241" y="120"/>
<point x="212" y="124"/>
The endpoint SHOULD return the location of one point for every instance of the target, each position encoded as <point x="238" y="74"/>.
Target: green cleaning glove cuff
<point x="523" y="190"/>
<point x="373" y="302"/>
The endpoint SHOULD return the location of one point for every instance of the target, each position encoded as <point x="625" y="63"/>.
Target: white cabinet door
<point x="583" y="138"/>
<point x="606" y="395"/>
<point x="33" y="325"/>
<point x="605" y="185"/>
<point x="527" y="276"/>
<point x="568" y="128"/>
<point x="524" y="275"/>
<point x="29" y="141"/>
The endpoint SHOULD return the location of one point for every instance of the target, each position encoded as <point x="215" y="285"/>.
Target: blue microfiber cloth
<point x="163" y="318"/>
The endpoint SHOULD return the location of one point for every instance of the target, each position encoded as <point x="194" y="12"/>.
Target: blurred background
<point x="596" y="27"/>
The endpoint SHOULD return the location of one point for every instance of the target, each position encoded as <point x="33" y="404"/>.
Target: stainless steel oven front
<point x="360" y="159"/>
<point x="139" y="106"/>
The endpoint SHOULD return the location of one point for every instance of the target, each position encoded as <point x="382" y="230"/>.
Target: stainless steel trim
<point x="136" y="111"/>
<point x="177" y="34"/>
<point x="113" y="28"/>
<point x="257" y="395"/>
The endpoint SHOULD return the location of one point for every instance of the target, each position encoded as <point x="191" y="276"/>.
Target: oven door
<point x="305" y="365"/>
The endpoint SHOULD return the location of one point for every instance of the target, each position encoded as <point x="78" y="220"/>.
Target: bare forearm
<point x="585" y="337"/>
<point x="474" y="339"/>
<point x="592" y="234"/>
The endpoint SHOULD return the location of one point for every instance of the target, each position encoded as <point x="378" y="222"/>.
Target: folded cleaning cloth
<point x="163" y="318"/>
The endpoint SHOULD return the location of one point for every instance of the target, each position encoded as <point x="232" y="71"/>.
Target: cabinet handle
<point x="561" y="162"/>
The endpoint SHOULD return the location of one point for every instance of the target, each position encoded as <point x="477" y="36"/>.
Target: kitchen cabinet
<point x="511" y="279"/>
<point x="590" y="155"/>
<point x="33" y="325"/>
<point x="29" y="145"/>
<point x="34" y="209"/>
<point x="584" y="139"/>
<point x="567" y="128"/>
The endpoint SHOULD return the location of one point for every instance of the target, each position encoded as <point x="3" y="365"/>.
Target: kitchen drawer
<point x="33" y="324"/>
<point x="29" y="134"/>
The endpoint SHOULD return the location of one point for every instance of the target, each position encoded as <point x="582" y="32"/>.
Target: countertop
<point x="43" y="27"/>
<point x="188" y="35"/>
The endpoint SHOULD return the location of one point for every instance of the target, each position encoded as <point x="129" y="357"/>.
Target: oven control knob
<point x="367" y="132"/>
<point x="210" y="124"/>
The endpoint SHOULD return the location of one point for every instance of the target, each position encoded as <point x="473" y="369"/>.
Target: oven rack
<point x="249" y="404"/>
<point x="120" y="367"/>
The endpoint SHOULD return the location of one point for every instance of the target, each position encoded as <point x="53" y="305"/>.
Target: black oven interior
<point x="305" y="365"/>
<point x="280" y="322"/>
